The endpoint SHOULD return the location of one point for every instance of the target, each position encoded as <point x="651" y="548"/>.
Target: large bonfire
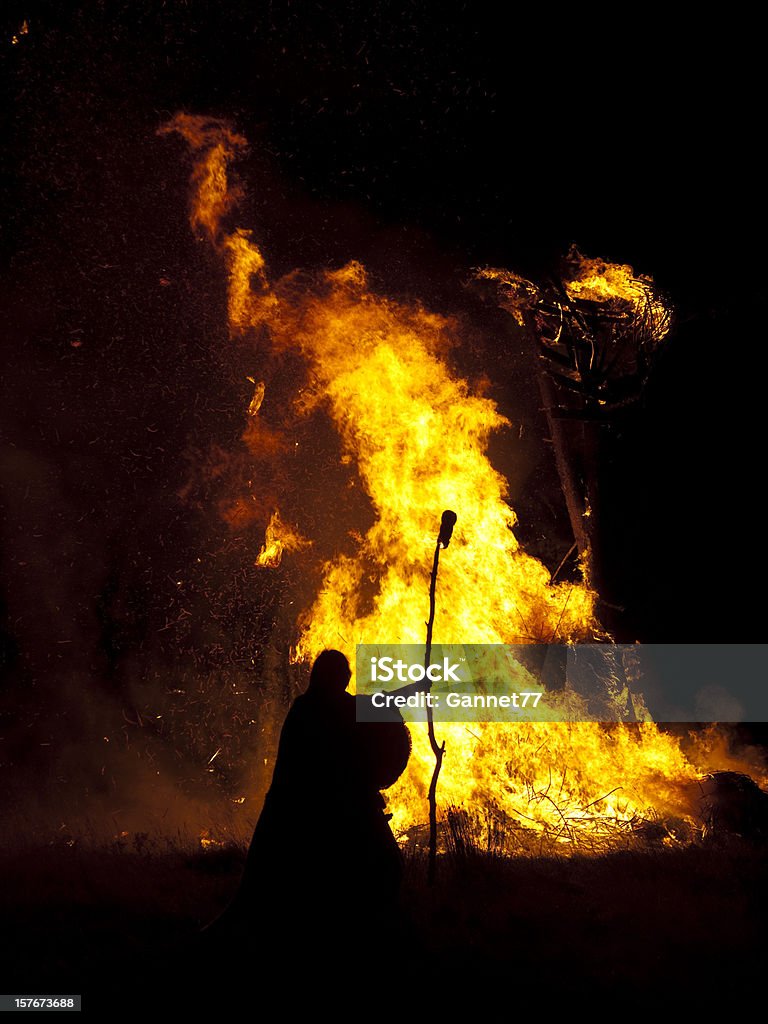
<point x="415" y="438"/>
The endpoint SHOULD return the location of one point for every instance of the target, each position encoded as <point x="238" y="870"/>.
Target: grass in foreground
<point x="86" y="920"/>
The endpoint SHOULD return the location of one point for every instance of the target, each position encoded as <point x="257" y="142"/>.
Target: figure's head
<point x="330" y="673"/>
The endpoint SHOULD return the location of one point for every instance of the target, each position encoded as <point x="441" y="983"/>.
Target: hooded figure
<point x="323" y="853"/>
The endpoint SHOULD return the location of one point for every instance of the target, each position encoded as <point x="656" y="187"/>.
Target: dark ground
<point x="680" y="927"/>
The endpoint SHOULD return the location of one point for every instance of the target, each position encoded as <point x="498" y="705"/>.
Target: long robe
<point x="323" y="852"/>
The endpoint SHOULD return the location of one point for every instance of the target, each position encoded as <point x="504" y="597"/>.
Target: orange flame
<point x="615" y="285"/>
<point x="418" y="436"/>
<point x="279" y="538"/>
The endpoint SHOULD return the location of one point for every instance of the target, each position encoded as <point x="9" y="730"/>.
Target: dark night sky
<point x="421" y="138"/>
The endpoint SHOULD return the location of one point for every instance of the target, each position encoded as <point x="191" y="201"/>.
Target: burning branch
<point x="594" y="329"/>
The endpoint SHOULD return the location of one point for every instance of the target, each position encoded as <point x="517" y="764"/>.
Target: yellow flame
<point x="208" y="841"/>
<point x="259" y="390"/>
<point x="279" y="538"/>
<point x="418" y="436"/>
<point x="250" y="300"/>
<point x="615" y="285"/>
<point x="23" y="31"/>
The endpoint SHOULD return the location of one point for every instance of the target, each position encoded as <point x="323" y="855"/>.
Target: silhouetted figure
<point x="323" y="860"/>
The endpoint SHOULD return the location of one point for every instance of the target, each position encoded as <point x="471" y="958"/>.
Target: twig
<point x="597" y="801"/>
<point x="562" y="613"/>
<point x="564" y="559"/>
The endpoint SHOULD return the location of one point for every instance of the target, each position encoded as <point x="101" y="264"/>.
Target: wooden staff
<point x="447" y="523"/>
